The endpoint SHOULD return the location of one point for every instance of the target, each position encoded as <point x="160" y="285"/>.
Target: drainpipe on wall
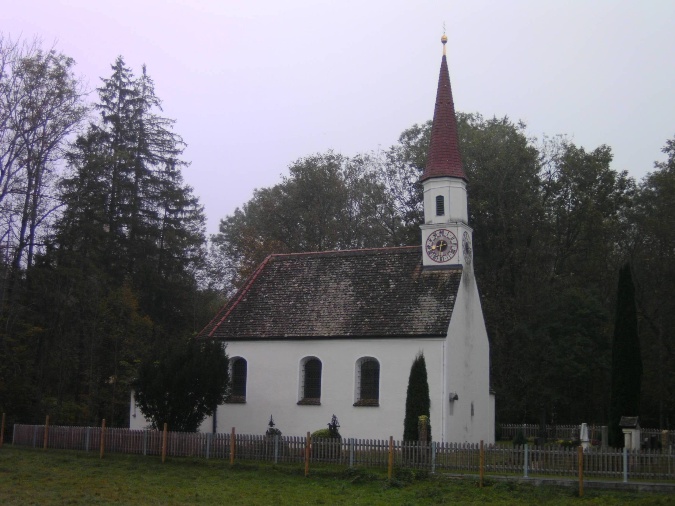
<point x="444" y="395"/>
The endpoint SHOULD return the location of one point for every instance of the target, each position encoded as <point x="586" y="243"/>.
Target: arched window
<point x="440" y="205"/>
<point x="238" y="370"/>
<point x="310" y="381"/>
<point x="367" y="382"/>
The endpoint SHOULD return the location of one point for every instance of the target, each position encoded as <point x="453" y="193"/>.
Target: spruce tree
<point x="126" y="204"/>
<point x="417" y="402"/>
<point x="128" y="244"/>
<point x="626" y="359"/>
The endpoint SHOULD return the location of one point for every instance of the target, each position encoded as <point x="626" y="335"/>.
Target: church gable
<point x="375" y="293"/>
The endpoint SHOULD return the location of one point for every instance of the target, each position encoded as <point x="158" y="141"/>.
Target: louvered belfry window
<point x="313" y="379"/>
<point x="440" y="205"/>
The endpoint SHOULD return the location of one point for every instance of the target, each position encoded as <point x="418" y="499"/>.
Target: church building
<point x="311" y="335"/>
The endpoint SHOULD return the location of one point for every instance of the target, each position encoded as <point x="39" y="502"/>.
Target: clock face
<point x="466" y="247"/>
<point x="441" y="245"/>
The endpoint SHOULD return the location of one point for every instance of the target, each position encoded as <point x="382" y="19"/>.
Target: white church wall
<point x="273" y="379"/>
<point x="470" y="418"/>
<point x="136" y="419"/>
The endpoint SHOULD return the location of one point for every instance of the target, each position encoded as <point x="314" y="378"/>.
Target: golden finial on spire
<point x="444" y="39"/>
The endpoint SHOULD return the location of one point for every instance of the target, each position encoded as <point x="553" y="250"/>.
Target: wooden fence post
<point x="390" y="466"/>
<point x="308" y="444"/>
<point x="164" y="437"/>
<point x="102" y="445"/>
<point x="2" y="431"/>
<point x="232" y="447"/>
<point x="580" y="453"/>
<point x="46" y="434"/>
<point x="481" y="463"/>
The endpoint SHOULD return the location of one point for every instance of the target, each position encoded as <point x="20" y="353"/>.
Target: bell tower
<point x="446" y="235"/>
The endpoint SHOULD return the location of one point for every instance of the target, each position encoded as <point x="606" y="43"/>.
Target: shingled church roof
<point x="370" y="293"/>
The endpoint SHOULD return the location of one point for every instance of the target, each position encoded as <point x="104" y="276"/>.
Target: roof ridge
<point x="338" y="252"/>
<point x="443" y="157"/>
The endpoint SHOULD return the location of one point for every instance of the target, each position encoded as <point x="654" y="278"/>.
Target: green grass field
<point x="29" y="476"/>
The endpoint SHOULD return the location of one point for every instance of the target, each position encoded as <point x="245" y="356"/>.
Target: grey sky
<point x="256" y="84"/>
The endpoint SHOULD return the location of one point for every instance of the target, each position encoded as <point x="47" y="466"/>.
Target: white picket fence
<point x="435" y="457"/>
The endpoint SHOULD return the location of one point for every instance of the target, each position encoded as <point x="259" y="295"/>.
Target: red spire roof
<point x="443" y="159"/>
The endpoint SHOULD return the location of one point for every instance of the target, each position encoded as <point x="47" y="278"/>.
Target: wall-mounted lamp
<point x="453" y="397"/>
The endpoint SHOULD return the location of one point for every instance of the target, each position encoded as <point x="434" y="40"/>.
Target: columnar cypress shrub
<point x="626" y="359"/>
<point x="417" y="400"/>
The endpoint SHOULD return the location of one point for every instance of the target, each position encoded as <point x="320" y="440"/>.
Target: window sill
<point x="309" y="402"/>
<point x="236" y="399"/>
<point x="372" y="403"/>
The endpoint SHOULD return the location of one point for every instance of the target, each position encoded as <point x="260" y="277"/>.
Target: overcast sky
<point x="254" y="85"/>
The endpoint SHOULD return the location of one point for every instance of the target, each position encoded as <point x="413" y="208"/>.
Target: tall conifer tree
<point x="626" y="359"/>
<point x="147" y="226"/>
<point x="129" y="241"/>
<point x="417" y="401"/>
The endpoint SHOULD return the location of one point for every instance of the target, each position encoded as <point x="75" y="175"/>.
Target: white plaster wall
<point x="136" y="419"/>
<point x="274" y="376"/>
<point x="454" y="191"/>
<point x="468" y="362"/>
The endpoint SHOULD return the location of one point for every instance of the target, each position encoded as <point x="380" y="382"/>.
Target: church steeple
<point x="443" y="159"/>
<point x="446" y="235"/>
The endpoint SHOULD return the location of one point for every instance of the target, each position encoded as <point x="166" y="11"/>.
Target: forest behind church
<point x="105" y="259"/>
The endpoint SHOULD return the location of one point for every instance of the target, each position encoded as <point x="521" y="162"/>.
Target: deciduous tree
<point x="653" y="235"/>
<point x="327" y="201"/>
<point x="41" y="104"/>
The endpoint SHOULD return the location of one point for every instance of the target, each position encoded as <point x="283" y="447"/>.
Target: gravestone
<point x="583" y="436"/>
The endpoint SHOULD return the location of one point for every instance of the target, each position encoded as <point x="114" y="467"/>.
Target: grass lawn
<point x="29" y="476"/>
